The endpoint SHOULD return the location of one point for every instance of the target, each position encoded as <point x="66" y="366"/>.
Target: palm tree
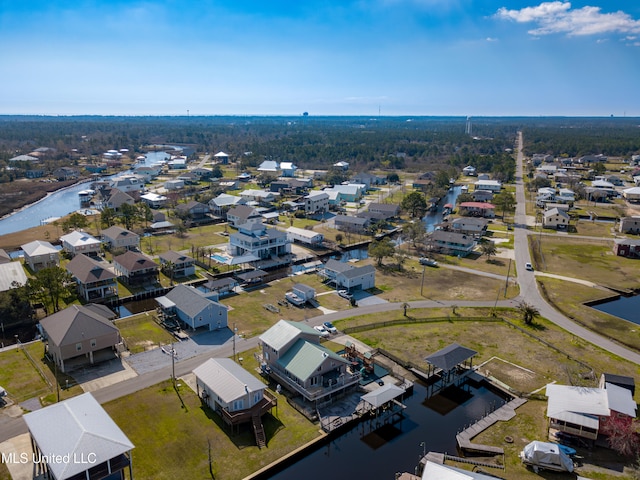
<point x="528" y="312"/>
<point x="488" y="249"/>
<point x="405" y="305"/>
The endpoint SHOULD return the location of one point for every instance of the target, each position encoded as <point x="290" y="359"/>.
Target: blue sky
<point x="360" y="57"/>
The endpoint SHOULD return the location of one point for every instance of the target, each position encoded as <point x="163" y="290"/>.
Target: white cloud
<point x="559" y="17"/>
<point x="491" y="39"/>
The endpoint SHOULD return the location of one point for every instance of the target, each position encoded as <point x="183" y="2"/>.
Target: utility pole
<point x="506" y="285"/>
<point x="235" y="330"/>
<point x="173" y="365"/>
<point x="424" y="267"/>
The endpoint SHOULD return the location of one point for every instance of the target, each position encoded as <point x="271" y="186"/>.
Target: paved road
<point x="529" y="287"/>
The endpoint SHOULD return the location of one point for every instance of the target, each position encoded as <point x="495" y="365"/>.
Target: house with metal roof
<point x="316" y="202"/>
<point x="348" y="276"/>
<point x="288" y="169"/>
<point x="176" y="264"/>
<point x="582" y="411"/>
<point x="4" y="256"/>
<point x="154" y="200"/>
<point x="302" y="235"/>
<point x="95" y="282"/>
<point x="80" y="333"/>
<point x="474" y="226"/>
<point x="40" y="254"/>
<point x="345" y="193"/>
<point x="348" y="223"/>
<point x="234" y="394"/>
<point x="269" y="166"/>
<point x="11" y="275"/>
<point x="194" y="308"/>
<point x="555" y="218"/>
<point x="80" y="242"/>
<point x="293" y="356"/>
<point x="136" y="268"/>
<point x="80" y="430"/>
<point x="118" y="237"/>
<point x="627" y="247"/>
<point x="477" y="209"/>
<point x="452" y="242"/>
<point x="222" y="158"/>
<point x="383" y="211"/>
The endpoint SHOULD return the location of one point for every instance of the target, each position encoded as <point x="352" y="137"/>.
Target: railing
<point x="315" y="392"/>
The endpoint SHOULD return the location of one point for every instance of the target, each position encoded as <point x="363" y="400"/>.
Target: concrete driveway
<point x="364" y="299"/>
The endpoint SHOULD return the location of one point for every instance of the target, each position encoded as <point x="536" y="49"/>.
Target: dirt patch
<point x="516" y="376"/>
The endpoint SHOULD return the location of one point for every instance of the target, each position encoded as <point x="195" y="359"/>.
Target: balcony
<point x="318" y="391"/>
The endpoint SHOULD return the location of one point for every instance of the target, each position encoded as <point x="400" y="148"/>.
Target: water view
<point x="623" y="307"/>
<point x="360" y="453"/>
<point x="434" y="218"/>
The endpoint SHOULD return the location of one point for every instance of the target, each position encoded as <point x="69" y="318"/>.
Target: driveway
<point x="364" y="298"/>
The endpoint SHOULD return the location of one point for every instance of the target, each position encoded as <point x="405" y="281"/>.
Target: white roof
<point x="77" y="239"/>
<point x="602" y="184"/>
<point x="317" y="194"/>
<point x="382" y="395"/>
<point x="580" y="405"/>
<point x="284" y="332"/>
<point x="632" y="190"/>
<point x="38" y="247"/>
<point x="436" y="471"/>
<point x="227" y="379"/>
<point x="221" y="154"/>
<point x="556" y="211"/>
<point x="488" y="182"/>
<point x="11" y="272"/>
<point x="79" y="427"/>
<point x="287" y="166"/>
<point x="620" y="400"/>
<point x="153" y="197"/>
<point x="310" y="234"/>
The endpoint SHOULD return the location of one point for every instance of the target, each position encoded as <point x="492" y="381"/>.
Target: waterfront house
<point x="80" y="333"/>
<point x="40" y="254"/>
<point x="221" y="204"/>
<point x="555" y="218"/>
<point x="316" y="202"/>
<point x="117" y="237"/>
<point x="492" y="185"/>
<point x="476" y="227"/>
<point x="95" y="282"/>
<point x="482" y="195"/>
<point x="82" y="431"/>
<point x="626" y="247"/>
<point x="348" y="223"/>
<point x="136" y="268"/>
<point x="383" y="211"/>
<point x="194" y="308"/>
<point x="80" y="242"/>
<point x="117" y="198"/>
<point x="255" y="242"/>
<point x="452" y="242"/>
<point x="63" y="174"/>
<point x="12" y="275"/>
<point x="4" y="256"/>
<point x="234" y="394"/>
<point x="583" y="411"/>
<point x="348" y="276"/>
<point x="469" y="171"/>
<point x="128" y="184"/>
<point x="176" y="264"/>
<point x="630" y="224"/>
<point x="302" y="235"/>
<point x="293" y="356"/>
<point x="154" y="200"/>
<point x="477" y="209"/>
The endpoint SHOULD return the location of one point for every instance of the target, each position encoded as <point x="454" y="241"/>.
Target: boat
<point x="546" y="456"/>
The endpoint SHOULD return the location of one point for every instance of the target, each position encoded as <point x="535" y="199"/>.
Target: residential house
<point x="592" y="158"/>
<point x="492" y="185"/>
<point x="224" y="202"/>
<point x="118" y="198"/>
<point x="630" y="224"/>
<point x="177" y="163"/>
<point x="80" y="430"/>
<point x="555" y="218"/>
<point x="194" y="210"/>
<point x="148" y="173"/>
<point x="221" y="158"/>
<point x="189" y="178"/>
<point x="316" y="202"/>
<point x="632" y="194"/>
<point x="626" y="247"/>
<point x="128" y="184"/>
<point x="80" y="333"/>
<point x="290" y="186"/>
<point x="80" y="242"/>
<point x="176" y="264"/>
<point x="95" y="282"/>
<point x="620" y="380"/>
<point x="174" y="184"/>
<point x="24" y="158"/>
<point x="348" y="223"/>
<point x="583" y="411"/>
<point x="473" y="226"/>
<point x="482" y="195"/>
<point x="154" y="200"/>
<point x="12" y="275"/>
<point x="300" y="294"/>
<point x="288" y="169"/>
<point x="293" y="356"/>
<point x="368" y="180"/>
<point x="243" y="214"/>
<point x="469" y="171"/>
<point x="136" y="268"/>
<point x="227" y="185"/>
<point x="40" y="254"/>
<point x="345" y="275"/>
<point x="194" y="308"/>
<point x="63" y="174"/>
<point x="302" y="235"/>
<point x="342" y="165"/>
<point x="563" y="207"/>
<point x="565" y="195"/>
<point x="34" y="173"/>
<point x="4" y="256"/>
<point x="477" y="209"/>
<point x="234" y="394"/>
<point x="261" y="196"/>
<point x="605" y="186"/>
<point x="268" y="166"/>
<point x="452" y="242"/>
<point x="345" y="193"/>
<point x="383" y="211"/>
<point x="267" y="247"/>
<point x="117" y="237"/>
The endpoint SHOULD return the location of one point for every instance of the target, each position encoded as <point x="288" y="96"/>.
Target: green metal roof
<point x="304" y="358"/>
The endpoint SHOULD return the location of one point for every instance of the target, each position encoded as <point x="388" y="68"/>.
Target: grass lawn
<point x="140" y="332"/>
<point x="592" y="229"/>
<point x="174" y="441"/>
<point x="586" y="259"/>
<point x="569" y="298"/>
<point x="24" y="380"/>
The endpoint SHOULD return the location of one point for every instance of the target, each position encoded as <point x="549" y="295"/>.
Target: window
<point x="238" y="404"/>
<point x="93" y="343"/>
<point x="78" y="347"/>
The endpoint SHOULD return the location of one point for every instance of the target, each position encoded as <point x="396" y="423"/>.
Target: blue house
<point x="194" y="308"/>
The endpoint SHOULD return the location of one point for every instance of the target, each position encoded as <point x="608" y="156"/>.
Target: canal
<point x="434" y="218"/>
<point x="429" y="425"/>
<point x="624" y="307"/>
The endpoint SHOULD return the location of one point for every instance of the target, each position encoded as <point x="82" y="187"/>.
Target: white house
<point x="80" y="242"/>
<point x="174" y="184"/>
<point x="154" y="200"/>
<point x="256" y="242"/>
<point x="309" y="237"/>
<point x="118" y="237"/>
<point x="40" y="254"/>
<point x="556" y="218"/>
<point x="469" y="170"/>
<point x="348" y="276"/>
<point x="127" y="184"/>
<point x="491" y="185"/>
<point x="243" y="214"/>
<point x="632" y="194"/>
<point x="316" y="202"/>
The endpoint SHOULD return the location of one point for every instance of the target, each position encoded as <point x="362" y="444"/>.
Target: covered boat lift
<point x="449" y="366"/>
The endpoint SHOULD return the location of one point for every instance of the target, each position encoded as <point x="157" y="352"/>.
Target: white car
<point x="528" y="266"/>
<point x="330" y="327"/>
<point x="323" y="331"/>
<point x="345" y="294"/>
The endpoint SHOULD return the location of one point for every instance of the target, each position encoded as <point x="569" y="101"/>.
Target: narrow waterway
<point x="623" y="307"/>
<point x="434" y="218"/>
<point x="429" y="425"/>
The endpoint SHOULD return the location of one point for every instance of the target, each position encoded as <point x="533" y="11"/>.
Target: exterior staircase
<point x="258" y="430"/>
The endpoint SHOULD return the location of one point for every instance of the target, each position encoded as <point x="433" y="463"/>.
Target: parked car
<point x="430" y="262"/>
<point x="323" y="331"/>
<point x="528" y="266"/>
<point x="329" y="327"/>
<point x="345" y="294"/>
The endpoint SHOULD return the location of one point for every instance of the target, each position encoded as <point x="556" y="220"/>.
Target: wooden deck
<point x="503" y="414"/>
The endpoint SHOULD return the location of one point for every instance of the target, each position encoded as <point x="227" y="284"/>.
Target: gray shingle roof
<point x="75" y="324"/>
<point x="134" y="261"/>
<point x="189" y="300"/>
<point x="87" y="270"/>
